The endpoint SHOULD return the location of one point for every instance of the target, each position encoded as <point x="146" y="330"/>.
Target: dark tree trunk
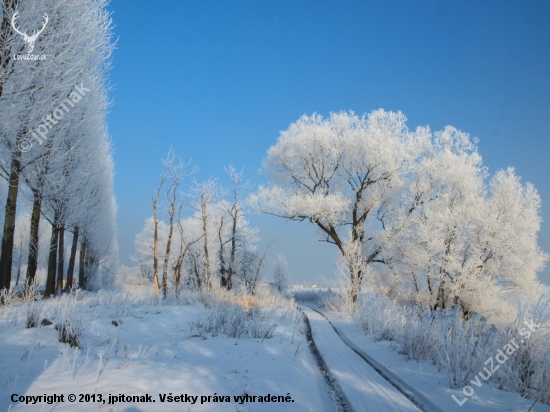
<point x="155" y="253"/>
<point x="441" y="295"/>
<point x="52" y="262"/>
<point x="8" y="8"/>
<point x="223" y="279"/>
<point x="32" y="261"/>
<point x="19" y="261"/>
<point x="60" y="259"/>
<point x="81" y="260"/>
<point x="70" y="270"/>
<point x="9" y="222"/>
<point x="229" y="282"/>
<point x="356" y="281"/>
<point x="206" y="257"/>
<point x="196" y="272"/>
<point x="167" y="256"/>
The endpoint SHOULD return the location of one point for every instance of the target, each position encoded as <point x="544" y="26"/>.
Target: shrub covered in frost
<point x="34" y="305"/>
<point x="379" y="316"/>
<point x="69" y="319"/>
<point x="461" y="347"/>
<point x="236" y="322"/>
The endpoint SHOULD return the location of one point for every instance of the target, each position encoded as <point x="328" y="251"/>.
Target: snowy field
<point x="425" y="377"/>
<point x="157" y="350"/>
<point x="196" y="354"/>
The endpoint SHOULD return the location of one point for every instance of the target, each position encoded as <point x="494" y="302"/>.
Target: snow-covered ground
<point x="136" y="347"/>
<point x="364" y="389"/>
<point x="425" y="378"/>
<point x="156" y="350"/>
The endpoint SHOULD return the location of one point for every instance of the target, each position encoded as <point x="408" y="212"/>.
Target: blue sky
<point x="218" y="80"/>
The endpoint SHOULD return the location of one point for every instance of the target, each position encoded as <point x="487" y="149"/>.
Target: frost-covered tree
<point x="461" y="240"/>
<point x="98" y="227"/>
<point x="441" y="202"/>
<point x="70" y="194"/>
<point x="206" y="194"/>
<point x="21" y="244"/>
<point x="175" y="172"/>
<point x="38" y="102"/>
<point x="144" y="245"/>
<point x="413" y="212"/>
<point x="280" y="274"/>
<point x="251" y="269"/>
<point x="239" y="232"/>
<point x="205" y="248"/>
<point x="341" y="174"/>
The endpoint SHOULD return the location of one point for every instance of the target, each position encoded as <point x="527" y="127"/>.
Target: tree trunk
<point x="196" y="271"/>
<point x="19" y="259"/>
<point x="156" y="239"/>
<point x="8" y="8"/>
<point x="90" y="267"/>
<point x="223" y="271"/>
<point x="206" y="257"/>
<point x="32" y="261"/>
<point x="441" y="295"/>
<point x="156" y="257"/>
<point x="156" y="249"/>
<point x="6" y="259"/>
<point x="81" y="260"/>
<point x="70" y="270"/>
<point x="229" y="282"/>
<point x="442" y="292"/>
<point x="52" y="262"/>
<point x="60" y="259"/>
<point x="356" y="281"/>
<point x="167" y="255"/>
<point x="176" y="271"/>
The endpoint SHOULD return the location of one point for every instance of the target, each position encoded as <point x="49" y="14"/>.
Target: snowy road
<point x="364" y="389"/>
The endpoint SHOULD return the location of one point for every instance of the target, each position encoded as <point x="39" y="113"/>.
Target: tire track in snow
<point x="419" y="401"/>
<point x="335" y="391"/>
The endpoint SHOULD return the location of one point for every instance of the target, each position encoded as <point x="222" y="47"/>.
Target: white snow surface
<point x="154" y="351"/>
<point x="426" y="379"/>
<point x="363" y="387"/>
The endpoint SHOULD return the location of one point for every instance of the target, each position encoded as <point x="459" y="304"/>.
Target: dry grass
<point x="247" y="301"/>
<point x="244" y="301"/>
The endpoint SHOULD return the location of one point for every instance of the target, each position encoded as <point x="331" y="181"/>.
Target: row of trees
<point x="200" y="239"/>
<point x="55" y="153"/>
<point x="413" y="213"/>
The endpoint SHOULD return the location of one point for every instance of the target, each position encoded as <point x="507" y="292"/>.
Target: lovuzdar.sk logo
<point x="29" y="39"/>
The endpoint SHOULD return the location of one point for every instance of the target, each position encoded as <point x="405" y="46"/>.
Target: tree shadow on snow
<point x="21" y="365"/>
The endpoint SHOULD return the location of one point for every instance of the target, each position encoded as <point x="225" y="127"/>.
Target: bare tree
<point x="221" y="254"/>
<point x="280" y="274"/>
<point x="175" y="172"/>
<point x="236" y="214"/>
<point x="183" y="250"/>
<point x="251" y="269"/>
<point x="155" y="246"/>
<point x="205" y="195"/>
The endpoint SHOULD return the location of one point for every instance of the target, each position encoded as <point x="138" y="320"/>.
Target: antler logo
<point x="32" y="38"/>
